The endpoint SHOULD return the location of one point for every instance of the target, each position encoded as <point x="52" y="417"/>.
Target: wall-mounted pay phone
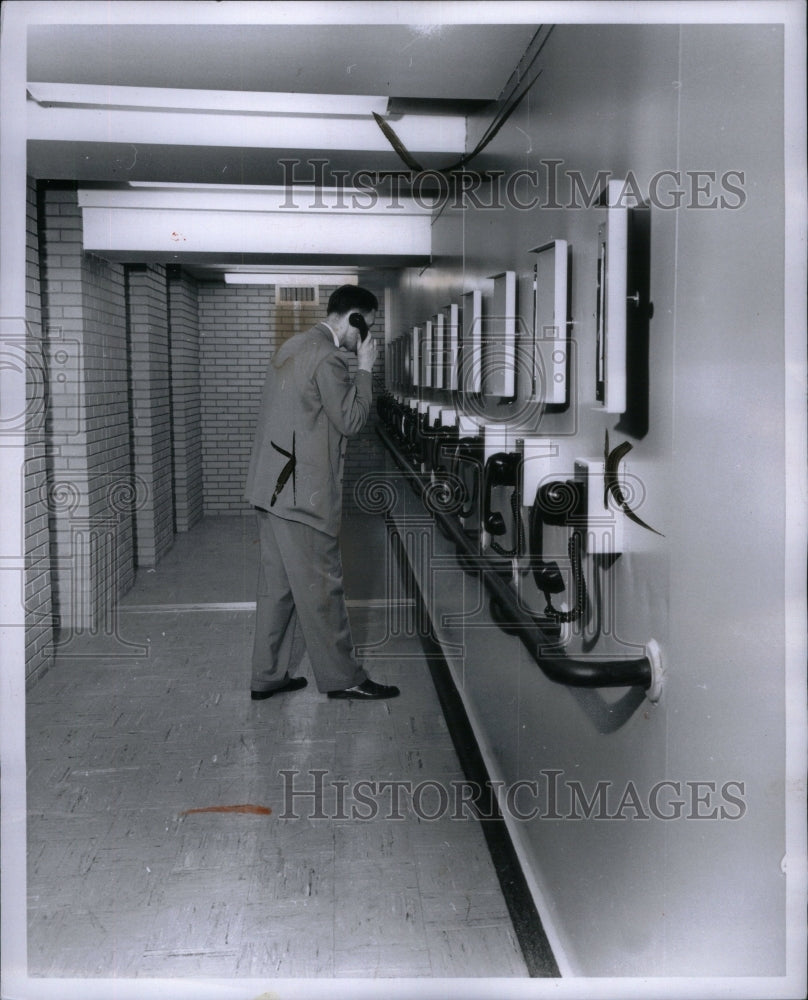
<point x="438" y="351"/>
<point x="499" y="351"/>
<point x="551" y="307"/>
<point x="446" y="437"/>
<point x="466" y="467"/>
<point x="428" y="356"/>
<point x="556" y="502"/>
<point x="560" y="503"/>
<point x="502" y="470"/>
<point x="622" y="304"/>
<point x="469" y="374"/>
<point x="451" y="317"/>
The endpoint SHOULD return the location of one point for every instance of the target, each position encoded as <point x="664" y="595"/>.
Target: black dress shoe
<point x="293" y="684"/>
<point x="367" y="691"/>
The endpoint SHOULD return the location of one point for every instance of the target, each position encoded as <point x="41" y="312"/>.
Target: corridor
<point x="127" y="879"/>
<point x="570" y="536"/>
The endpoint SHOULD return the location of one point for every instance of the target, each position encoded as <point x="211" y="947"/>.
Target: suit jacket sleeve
<point x="346" y="401"/>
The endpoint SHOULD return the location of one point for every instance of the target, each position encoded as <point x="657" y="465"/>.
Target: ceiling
<point x="424" y="70"/>
<point x="434" y="61"/>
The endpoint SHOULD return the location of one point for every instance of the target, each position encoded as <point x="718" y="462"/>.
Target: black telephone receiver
<point x="466" y="465"/>
<point x="557" y="503"/>
<point x="442" y="449"/>
<point x="358" y="320"/>
<point x="502" y="469"/>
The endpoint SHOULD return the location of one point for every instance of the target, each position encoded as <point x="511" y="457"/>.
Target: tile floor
<point x="126" y="880"/>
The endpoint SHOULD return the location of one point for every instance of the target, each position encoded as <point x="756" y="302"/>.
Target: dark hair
<point x="348" y="297"/>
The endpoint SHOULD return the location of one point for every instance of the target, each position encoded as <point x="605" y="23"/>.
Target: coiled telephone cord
<point x="518" y="533"/>
<point x="574" y="549"/>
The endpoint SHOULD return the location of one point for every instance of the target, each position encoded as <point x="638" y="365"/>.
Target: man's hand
<point x="366" y="351"/>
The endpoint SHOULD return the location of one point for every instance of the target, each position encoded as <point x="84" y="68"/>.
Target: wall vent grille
<point x="294" y="294"/>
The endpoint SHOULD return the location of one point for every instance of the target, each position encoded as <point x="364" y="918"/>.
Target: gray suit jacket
<point x="310" y="405"/>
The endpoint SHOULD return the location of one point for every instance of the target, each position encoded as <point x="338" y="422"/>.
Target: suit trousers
<point x="300" y="606"/>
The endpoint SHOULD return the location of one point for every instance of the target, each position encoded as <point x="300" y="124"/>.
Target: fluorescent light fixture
<point x="288" y="278"/>
<point x="240" y="102"/>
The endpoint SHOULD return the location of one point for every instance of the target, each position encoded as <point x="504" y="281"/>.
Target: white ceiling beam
<point x="198" y="231"/>
<point x="273" y="199"/>
<point x="420" y="14"/>
<point x="419" y="133"/>
<point x="296" y="278"/>
<point x="164" y="99"/>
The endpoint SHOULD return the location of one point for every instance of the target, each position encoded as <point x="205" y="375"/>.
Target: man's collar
<point x="331" y="330"/>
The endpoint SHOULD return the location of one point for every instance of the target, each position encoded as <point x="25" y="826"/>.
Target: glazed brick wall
<point x="240" y="327"/>
<point x="89" y="489"/>
<point x="183" y="312"/>
<point x="150" y="387"/>
<point x="38" y="603"/>
<point x="235" y="343"/>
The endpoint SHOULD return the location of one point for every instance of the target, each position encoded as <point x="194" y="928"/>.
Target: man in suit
<point x="310" y="406"/>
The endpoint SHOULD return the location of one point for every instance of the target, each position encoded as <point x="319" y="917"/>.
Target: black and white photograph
<point x="404" y="500"/>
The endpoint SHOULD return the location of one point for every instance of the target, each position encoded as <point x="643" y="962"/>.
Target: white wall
<point x="654" y="897"/>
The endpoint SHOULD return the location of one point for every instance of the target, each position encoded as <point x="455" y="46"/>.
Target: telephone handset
<point x="502" y="469"/>
<point x="358" y="320"/>
<point x="465" y="466"/>
<point x="409" y="430"/>
<point x="557" y="503"/>
<point x="442" y="447"/>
